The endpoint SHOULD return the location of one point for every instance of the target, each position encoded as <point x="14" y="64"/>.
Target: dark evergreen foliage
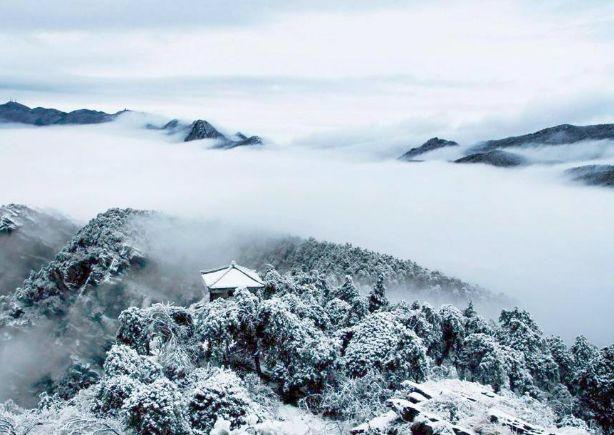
<point x="308" y="335"/>
<point x="377" y="297"/>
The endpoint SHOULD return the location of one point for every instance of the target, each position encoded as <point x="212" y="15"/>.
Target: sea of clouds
<point x="527" y="232"/>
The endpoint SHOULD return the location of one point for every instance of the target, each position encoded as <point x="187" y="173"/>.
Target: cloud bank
<point x="525" y="232"/>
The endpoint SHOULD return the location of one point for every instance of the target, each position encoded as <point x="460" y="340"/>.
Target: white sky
<point x="292" y="69"/>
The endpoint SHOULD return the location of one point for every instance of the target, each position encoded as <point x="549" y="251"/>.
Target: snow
<point x="455" y="406"/>
<point x="472" y="405"/>
<point x="234" y="276"/>
<point x="290" y="420"/>
<point x="296" y="421"/>
<point x="378" y="424"/>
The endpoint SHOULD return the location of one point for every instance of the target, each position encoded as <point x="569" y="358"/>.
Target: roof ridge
<point x="228" y="269"/>
<point x="240" y="269"/>
<point x="214" y="270"/>
<point x="251" y="274"/>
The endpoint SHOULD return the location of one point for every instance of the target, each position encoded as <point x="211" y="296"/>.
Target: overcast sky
<point x="316" y="70"/>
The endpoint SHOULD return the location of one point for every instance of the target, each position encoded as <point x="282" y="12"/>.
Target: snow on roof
<point x="233" y="276"/>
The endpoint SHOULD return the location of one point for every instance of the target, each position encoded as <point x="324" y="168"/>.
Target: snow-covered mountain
<point x="359" y="362"/>
<point x="123" y="258"/>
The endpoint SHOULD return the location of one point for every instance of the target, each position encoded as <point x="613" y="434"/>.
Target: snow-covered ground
<point x="455" y="406"/>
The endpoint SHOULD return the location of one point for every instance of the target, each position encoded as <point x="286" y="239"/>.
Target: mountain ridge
<point x="432" y="144"/>
<point x="494" y="157"/>
<point x="595" y="175"/>
<point x="557" y="135"/>
<point x="561" y="134"/>
<point x="13" y="111"/>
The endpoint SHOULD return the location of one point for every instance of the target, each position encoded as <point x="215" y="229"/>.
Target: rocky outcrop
<point x="19" y="113"/>
<point x="557" y="135"/>
<point x="596" y="175"/>
<point x="495" y="158"/>
<point x="514" y="424"/>
<point x="202" y="129"/>
<point x="248" y="141"/>
<point x="460" y="408"/>
<point x="406" y="412"/>
<point x="7" y="225"/>
<point x="430" y="145"/>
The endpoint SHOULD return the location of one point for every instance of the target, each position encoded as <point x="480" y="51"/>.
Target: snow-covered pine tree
<point x="377" y="296"/>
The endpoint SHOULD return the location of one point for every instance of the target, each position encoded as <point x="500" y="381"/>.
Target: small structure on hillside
<point x="222" y="282"/>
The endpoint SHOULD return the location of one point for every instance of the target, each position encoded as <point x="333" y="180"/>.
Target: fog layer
<point x="526" y="232"/>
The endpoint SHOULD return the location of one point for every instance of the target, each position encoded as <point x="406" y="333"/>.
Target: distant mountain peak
<point x="430" y="145"/>
<point x="201" y="129"/>
<point x="14" y="105"/>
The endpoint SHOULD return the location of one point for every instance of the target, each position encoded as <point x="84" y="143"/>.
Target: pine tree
<point x="377" y="297"/>
<point x="583" y="352"/>
<point x="349" y="293"/>
<point x="596" y="388"/>
<point x="470" y="312"/>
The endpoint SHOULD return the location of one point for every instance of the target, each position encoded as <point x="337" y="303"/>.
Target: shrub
<point x="382" y="343"/>
<point x="113" y="392"/>
<point x="355" y="399"/>
<point x="483" y="360"/>
<point x="156" y="408"/>
<point x="123" y="360"/>
<point x="299" y="355"/>
<point x="221" y="395"/>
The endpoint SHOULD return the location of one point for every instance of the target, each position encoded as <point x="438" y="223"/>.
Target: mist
<point x="27" y="357"/>
<point x="525" y="232"/>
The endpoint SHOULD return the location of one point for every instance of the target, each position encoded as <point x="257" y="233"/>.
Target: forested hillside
<point x="324" y="349"/>
<point x="135" y="349"/>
